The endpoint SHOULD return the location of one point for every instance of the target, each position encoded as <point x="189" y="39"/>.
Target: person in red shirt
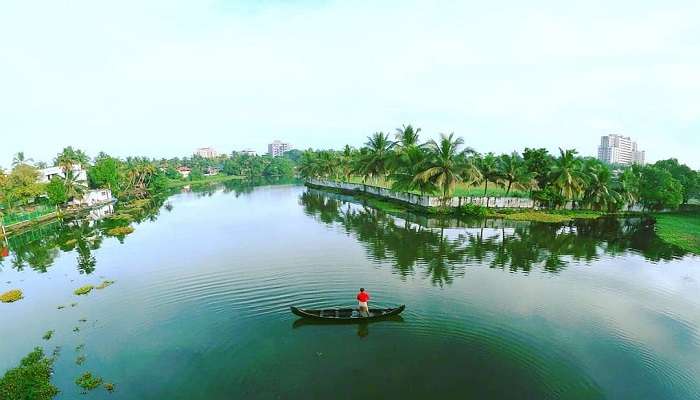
<point x="363" y="298"/>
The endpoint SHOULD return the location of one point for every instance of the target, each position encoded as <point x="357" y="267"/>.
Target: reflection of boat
<point x="298" y="323"/>
<point x="347" y="314"/>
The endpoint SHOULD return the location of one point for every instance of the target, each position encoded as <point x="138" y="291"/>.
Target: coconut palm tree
<point x="513" y="172"/>
<point x="308" y="164"/>
<point x="69" y="157"/>
<point x="407" y="136"/>
<point x="488" y="166"/>
<point x="628" y="185"/>
<point x="411" y="163"/>
<point x="75" y="188"/>
<point x="567" y="176"/>
<point x="444" y="164"/>
<point x="20" y="159"/>
<point x="597" y="193"/>
<point x="376" y="160"/>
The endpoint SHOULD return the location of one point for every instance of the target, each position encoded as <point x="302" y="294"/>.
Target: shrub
<point x="473" y="210"/>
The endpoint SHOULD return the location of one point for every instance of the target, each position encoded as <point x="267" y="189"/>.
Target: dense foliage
<point x="439" y="166"/>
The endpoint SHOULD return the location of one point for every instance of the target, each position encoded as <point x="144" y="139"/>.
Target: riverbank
<point x="487" y="207"/>
<point x="681" y="229"/>
<point x="174" y="183"/>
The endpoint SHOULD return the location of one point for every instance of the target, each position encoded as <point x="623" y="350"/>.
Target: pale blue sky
<point x="160" y="78"/>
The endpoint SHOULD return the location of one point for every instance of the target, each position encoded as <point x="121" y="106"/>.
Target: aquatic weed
<point x="11" y="296"/>
<point x="88" y="382"/>
<point x="109" y="387"/>
<point x="80" y="360"/>
<point x="61" y="307"/>
<point x="48" y="335"/>
<point x="31" y="379"/>
<point x="104" y="284"/>
<point x="120" y="231"/>
<point x="83" y="290"/>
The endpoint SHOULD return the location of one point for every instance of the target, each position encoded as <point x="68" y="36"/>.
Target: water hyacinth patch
<point x="104" y="284"/>
<point x="31" y="380"/>
<point x="88" y="382"/>
<point x="48" y="335"/>
<point x="11" y="296"/>
<point x="120" y="231"/>
<point x="83" y="290"/>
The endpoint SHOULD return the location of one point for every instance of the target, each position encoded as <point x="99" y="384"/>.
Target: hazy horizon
<point x="164" y="78"/>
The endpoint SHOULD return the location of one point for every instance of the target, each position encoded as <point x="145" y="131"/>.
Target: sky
<point x="162" y="78"/>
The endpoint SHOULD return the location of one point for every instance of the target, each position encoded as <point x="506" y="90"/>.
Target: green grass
<point x="11" y="296"/>
<point x="538" y="216"/>
<point x="173" y="183"/>
<point x="30" y="380"/>
<point x="83" y="290"/>
<point x="681" y="229"/>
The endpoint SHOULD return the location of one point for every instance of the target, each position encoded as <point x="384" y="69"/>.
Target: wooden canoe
<point x="346" y="314"/>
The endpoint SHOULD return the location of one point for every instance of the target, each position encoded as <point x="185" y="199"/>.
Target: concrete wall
<point x="427" y="201"/>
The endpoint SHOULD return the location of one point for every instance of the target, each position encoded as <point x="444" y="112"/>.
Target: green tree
<point x="21" y="186"/>
<point x="488" y="167"/>
<point x="513" y="172"/>
<point x="56" y="191"/>
<point x="658" y="189"/>
<point x="376" y="159"/>
<point x="567" y="175"/>
<point x="687" y="177"/>
<point x="105" y="173"/>
<point x="444" y="164"/>
<point x="539" y="163"/>
<point x="69" y="157"/>
<point x="20" y="159"/>
<point x="279" y="166"/>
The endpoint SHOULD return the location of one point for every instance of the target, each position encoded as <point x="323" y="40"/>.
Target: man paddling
<point x="363" y="298"/>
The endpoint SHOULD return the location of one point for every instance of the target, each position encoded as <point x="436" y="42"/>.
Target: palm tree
<point x="407" y="136"/>
<point x="20" y="159"/>
<point x="75" y="188"/>
<point x="567" y="175"/>
<point x="411" y="163"/>
<point x="379" y="150"/>
<point x="488" y="166"/>
<point x="597" y="193"/>
<point x="628" y="185"/>
<point x="69" y="157"/>
<point x="444" y="165"/>
<point x="308" y="164"/>
<point x="513" y="172"/>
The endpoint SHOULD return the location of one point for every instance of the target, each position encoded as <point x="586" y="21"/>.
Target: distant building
<point x="184" y="171"/>
<point x="277" y="148"/>
<point x="94" y="197"/>
<point x="46" y="174"/>
<point x="211" y="171"/>
<point x="249" y="152"/>
<point x="206" y="152"/>
<point x="618" y="149"/>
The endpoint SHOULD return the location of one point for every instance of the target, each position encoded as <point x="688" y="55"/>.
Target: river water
<point x="494" y="309"/>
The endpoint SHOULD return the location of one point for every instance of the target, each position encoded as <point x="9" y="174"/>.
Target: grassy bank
<point x="681" y="229"/>
<point x="173" y="183"/>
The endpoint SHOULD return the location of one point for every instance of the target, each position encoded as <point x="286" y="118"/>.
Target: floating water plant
<point x="11" y="296"/>
<point x="47" y="335"/>
<point x="82" y="320"/>
<point x="73" y="304"/>
<point x="61" y="307"/>
<point x="80" y="360"/>
<point x="80" y="347"/>
<point x="31" y="380"/>
<point x="83" y="290"/>
<point x="109" y="387"/>
<point x="88" y="382"/>
<point x="76" y="329"/>
<point x="104" y="284"/>
<point x="120" y="231"/>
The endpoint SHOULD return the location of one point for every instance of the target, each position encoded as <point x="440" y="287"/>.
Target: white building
<point x="184" y="171"/>
<point x="249" y="152"/>
<point x="618" y="149"/>
<point x="46" y="174"/>
<point x="277" y="148"/>
<point x="206" y="152"/>
<point x="93" y="197"/>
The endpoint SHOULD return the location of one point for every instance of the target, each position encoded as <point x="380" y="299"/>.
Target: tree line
<point x="129" y="178"/>
<point x="437" y="167"/>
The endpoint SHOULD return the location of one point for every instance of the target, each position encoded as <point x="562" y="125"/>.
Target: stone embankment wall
<point x="426" y="201"/>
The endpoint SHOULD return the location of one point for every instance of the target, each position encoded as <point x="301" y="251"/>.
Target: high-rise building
<point x="206" y="152"/>
<point x="618" y="149"/>
<point x="277" y="148"/>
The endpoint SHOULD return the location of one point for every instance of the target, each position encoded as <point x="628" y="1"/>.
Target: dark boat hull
<point x="346" y="314"/>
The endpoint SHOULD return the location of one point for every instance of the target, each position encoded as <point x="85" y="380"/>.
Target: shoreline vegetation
<point x="562" y="187"/>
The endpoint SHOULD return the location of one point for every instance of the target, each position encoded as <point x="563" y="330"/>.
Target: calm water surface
<point x="498" y="310"/>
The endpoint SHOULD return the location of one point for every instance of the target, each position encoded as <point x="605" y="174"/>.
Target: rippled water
<point x="199" y="309"/>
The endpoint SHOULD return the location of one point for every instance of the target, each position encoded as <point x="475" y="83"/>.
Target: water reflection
<point x="442" y="251"/>
<point x="38" y="247"/>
